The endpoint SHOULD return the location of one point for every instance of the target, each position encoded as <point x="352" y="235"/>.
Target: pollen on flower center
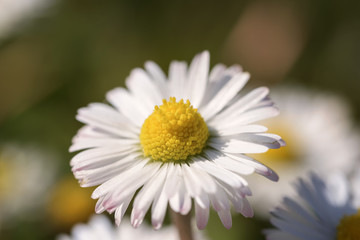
<point x="348" y="228"/>
<point x="173" y="132"/>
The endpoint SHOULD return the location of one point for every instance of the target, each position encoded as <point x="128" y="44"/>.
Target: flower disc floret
<point x="348" y="228"/>
<point x="173" y="132"/>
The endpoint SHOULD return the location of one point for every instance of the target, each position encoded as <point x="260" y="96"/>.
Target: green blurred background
<point x="72" y="52"/>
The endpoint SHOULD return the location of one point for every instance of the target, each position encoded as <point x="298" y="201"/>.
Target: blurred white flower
<point x="324" y="209"/>
<point x="26" y="173"/>
<point x="181" y="150"/>
<point x="14" y="13"/>
<point x="99" y="227"/>
<point x="319" y="135"/>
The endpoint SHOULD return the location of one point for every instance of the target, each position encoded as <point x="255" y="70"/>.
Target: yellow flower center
<point x="173" y="132"/>
<point x="349" y="227"/>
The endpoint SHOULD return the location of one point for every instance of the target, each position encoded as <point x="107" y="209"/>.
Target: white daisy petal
<point x="202" y="216"/>
<point x="145" y="197"/>
<point x="190" y="176"/>
<point x="158" y="76"/>
<point x="203" y="200"/>
<point x="181" y="201"/>
<point x="303" y="213"/>
<point x="246" y="209"/>
<point x="259" y="168"/>
<point x="186" y="206"/>
<point x="99" y="174"/>
<point x="143" y="88"/>
<point x="315" y="199"/>
<point x="228" y="163"/>
<point x="266" y="102"/>
<point x="173" y="179"/>
<point x="120" y="210"/>
<point x="297" y="231"/>
<point x="236" y="146"/>
<point x="216" y="72"/>
<point x="134" y="181"/>
<point x="99" y="208"/>
<point x="136" y="112"/>
<point x="219" y="173"/>
<point x="198" y="77"/>
<point x="112" y="183"/>
<point x="147" y="193"/>
<point x="175" y="142"/>
<point x="221" y="79"/>
<point x="224" y="95"/>
<point x="225" y="217"/>
<point x="107" y="119"/>
<point x="271" y="141"/>
<point x="219" y="200"/>
<point x="84" y="143"/>
<point x="242" y="191"/>
<point x="230" y="71"/>
<point x="158" y="209"/>
<point x="258" y="114"/>
<point x="92" y="157"/>
<point x="177" y="79"/>
<point x="240" y="129"/>
<point x="91" y="133"/>
<point x="243" y="104"/>
<point x="205" y="181"/>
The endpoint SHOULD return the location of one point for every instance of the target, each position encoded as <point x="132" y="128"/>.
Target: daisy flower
<point x="99" y="227"/>
<point x="328" y="209"/>
<point x="180" y="140"/>
<point x="318" y="131"/>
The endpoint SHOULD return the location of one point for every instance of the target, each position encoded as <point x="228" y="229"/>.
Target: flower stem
<point x="183" y="225"/>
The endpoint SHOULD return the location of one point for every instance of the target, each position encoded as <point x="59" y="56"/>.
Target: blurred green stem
<point x="183" y="225"/>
